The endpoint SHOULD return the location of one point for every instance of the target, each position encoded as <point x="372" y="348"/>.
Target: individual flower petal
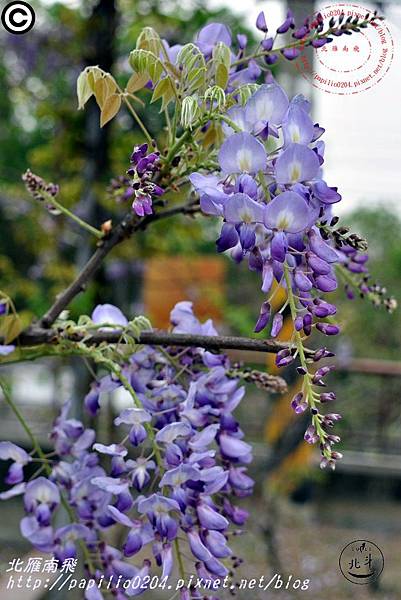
<point x="233" y="447"/>
<point x="268" y="105"/>
<point x="172" y="431"/>
<point x="210" y="35"/>
<point x="17" y="490"/>
<point x="8" y="450"/>
<point x="324" y="193"/>
<point x="198" y="549"/>
<point x="228" y="238"/>
<point x="217" y="544"/>
<point x="41" y="491"/>
<point x="109" y="315"/>
<point x="296" y="163"/>
<point x="133" y="416"/>
<point x="180" y="475"/>
<point x="110" y="484"/>
<point x="111" y="450"/>
<point x="240" y="208"/>
<point x="210" y="518"/>
<point x="287" y="212"/>
<point x="6" y="349"/>
<point x="297" y="126"/>
<point x="120" y="517"/>
<point x="242" y="153"/>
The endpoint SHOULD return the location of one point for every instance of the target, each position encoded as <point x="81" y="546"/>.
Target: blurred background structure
<point x="300" y="518"/>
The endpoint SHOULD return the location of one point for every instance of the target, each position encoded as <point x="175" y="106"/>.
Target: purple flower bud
<point x="264" y="317"/>
<point x="284" y="358"/>
<point x="301" y="370"/>
<point x="267" y="44"/>
<point x="298" y="323"/>
<point x="277" y="324"/>
<point x="242" y="41"/>
<point x="328" y="328"/>
<point x="333" y="417"/>
<point x="323" y="371"/>
<point x="318" y="265"/>
<point x="291" y="53"/>
<point x="271" y="59"/>
<point x="318" y="43"/>
<point x="301" y="32"/>
<point x="289" y="22"/>
<point x="261" y="22"/>
<point x="307" y="324"/>
<point x="325" y="283"/>
<point x="298" y="405"/>
<point x="327" y="397"/>
<point x="311" y="436"/>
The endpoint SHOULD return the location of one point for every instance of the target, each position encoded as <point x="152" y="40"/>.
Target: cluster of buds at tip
<point x="41" y="190"/>
<point x="374" y="292"/>
<point x="139" y="185"/>
<point x="264" y="381"/>
<point x="341" y="236"/>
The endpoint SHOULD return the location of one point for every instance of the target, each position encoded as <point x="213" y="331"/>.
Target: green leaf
<point x="222" y="54"/>
<point x="216" y="96"/>
<point x="110" y="109"/>
<point x="150" y="40"/>
<point x="136" y="82"/>
<point x="245" y="92"/>
<point x="143" y="61"/>
<point x="84" y="91"/>
<point x="164" y="90"/>
<point x="190" y="111"/>
<point x="221" y="76"/>
<point x="191" y="63"/>
<point x="101" y="91"/>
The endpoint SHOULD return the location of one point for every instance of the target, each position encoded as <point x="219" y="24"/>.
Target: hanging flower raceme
<point x="277" y="214"/>
<point x="173" y="477"/>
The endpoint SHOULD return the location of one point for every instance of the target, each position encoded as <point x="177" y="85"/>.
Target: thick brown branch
<point x="122" y="231"/>
<point x="36" y="336"/>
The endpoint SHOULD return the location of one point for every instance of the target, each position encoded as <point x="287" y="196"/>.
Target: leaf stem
<point x="92" y="230"/>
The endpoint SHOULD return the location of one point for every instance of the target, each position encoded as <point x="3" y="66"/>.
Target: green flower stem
<point x="9" y="401"/>
<point x="51" y="200"/>
<point x="136" y="117"/>
<point x="179" y="559"/>
<point x="310" y="395"/>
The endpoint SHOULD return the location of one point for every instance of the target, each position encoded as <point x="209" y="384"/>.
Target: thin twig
<point x="36" y="336"/>
<point x="122" y="231"/>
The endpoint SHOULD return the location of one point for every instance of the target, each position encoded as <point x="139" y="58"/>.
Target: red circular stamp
<point x="350" y="63"/>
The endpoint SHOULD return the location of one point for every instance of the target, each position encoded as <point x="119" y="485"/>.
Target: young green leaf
<point x="110" y="109"/>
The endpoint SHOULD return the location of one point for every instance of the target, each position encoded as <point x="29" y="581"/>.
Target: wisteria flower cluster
<point x="172" y="480"/>
<point x="172" y="475"/>
<point x="139" y="186"/>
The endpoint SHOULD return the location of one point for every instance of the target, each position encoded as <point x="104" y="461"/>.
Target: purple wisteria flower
<point x="110" y="315"/>
<point x="242" y="153"/>
<point x="276" y="210"/>
<point x="20" y="458"/>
